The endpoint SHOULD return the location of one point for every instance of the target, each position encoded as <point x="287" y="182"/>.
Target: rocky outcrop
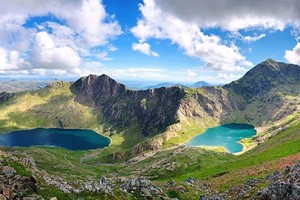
<point x="285" y="185"/>
<point x="142" y="186"/>
<point x="148" y="145"/>
<point x="14" y="186"/>
<point x="101" y="186"/>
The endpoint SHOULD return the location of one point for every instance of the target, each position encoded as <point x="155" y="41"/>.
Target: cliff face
<point x="152" y="110"/>
<point x="216" y="102"/>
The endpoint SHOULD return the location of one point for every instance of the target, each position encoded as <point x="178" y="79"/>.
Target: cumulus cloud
<point x="234" y="14"/>
<point x="45" y="55"/>
<point x="11" y="61"/>
<point x="188" y="36"/>
<point x="55" y="44"/>
<point x="87" y="18"/>
<point x="144" y="48"/>
<point x="293" y="56"/>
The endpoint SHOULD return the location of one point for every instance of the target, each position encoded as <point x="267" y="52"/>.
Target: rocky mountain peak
<point x="96" y="89"/>
<point x="271" y="64"/>
<point x="264" y="77"/>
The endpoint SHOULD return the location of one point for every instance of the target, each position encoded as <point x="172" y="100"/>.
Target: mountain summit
<point x="94" y="90"/>
<point x="264" y="77"/>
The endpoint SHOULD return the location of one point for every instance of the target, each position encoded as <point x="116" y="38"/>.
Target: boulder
<point x="190" y="181"/>
<point x="8" y="171"/>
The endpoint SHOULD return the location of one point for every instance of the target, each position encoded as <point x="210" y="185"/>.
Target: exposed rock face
<point x="212" y="101"/>
<point x="285" y="185"/>
<point x="13" y="186"/>
<point x="152" y="110"/>
<point x="96" y="90"/>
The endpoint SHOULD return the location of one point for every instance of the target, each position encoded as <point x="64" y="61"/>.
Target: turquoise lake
<point x="72" y="139"/>
<point x="227" y="136"/>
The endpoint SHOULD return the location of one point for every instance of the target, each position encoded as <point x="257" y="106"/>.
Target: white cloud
<point x="85" y="25"/>
<point x="129" y="73"/>
<point x="253" y="38"/>
<point x="144" y="48"/>
<point x="228" y="77"/>
<point x="87" y="18"/>
<point x="234" y="14"/>
<point x="11" y="61"/>
<point x="220" y="78"/>
<point x="112" y="48"/>
<point x="247" y="38"/>
<point x="89" y="21"/>
<point x="293" y="56"/>
<point x="46" y="55"/>
<point x="188" y="36"/>
<point x="191" y="75"/>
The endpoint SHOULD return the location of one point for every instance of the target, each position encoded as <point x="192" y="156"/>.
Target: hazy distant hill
<point x="165" y="84"/>
<point x="200" y="84"/>
<point x="171" y="84"/>
<point x="17" y="86"/>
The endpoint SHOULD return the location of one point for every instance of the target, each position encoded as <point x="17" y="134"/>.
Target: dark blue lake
<point x="226" y="136"/>
<point x="72" y="139"/>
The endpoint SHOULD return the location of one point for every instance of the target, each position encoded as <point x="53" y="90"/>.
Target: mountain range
<point x="159" y="120"/>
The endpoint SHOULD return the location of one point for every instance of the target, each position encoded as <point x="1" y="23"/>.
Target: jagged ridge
<point x="152" y="110"/>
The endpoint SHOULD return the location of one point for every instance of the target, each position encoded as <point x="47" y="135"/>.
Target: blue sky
<point x="146" y="40"/>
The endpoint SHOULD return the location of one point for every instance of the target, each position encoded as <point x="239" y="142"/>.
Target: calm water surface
<point x="227" y="136"/>
<point x="72" y="139"/>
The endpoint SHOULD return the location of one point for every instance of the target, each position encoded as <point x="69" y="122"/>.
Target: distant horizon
<point x="146" y="82"/>
<point x="60" y="78"/>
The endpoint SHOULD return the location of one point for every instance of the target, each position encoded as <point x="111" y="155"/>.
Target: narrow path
<point x="73" y="166"/>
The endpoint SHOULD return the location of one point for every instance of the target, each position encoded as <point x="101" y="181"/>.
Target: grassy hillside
<point x="49" y="107"/>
